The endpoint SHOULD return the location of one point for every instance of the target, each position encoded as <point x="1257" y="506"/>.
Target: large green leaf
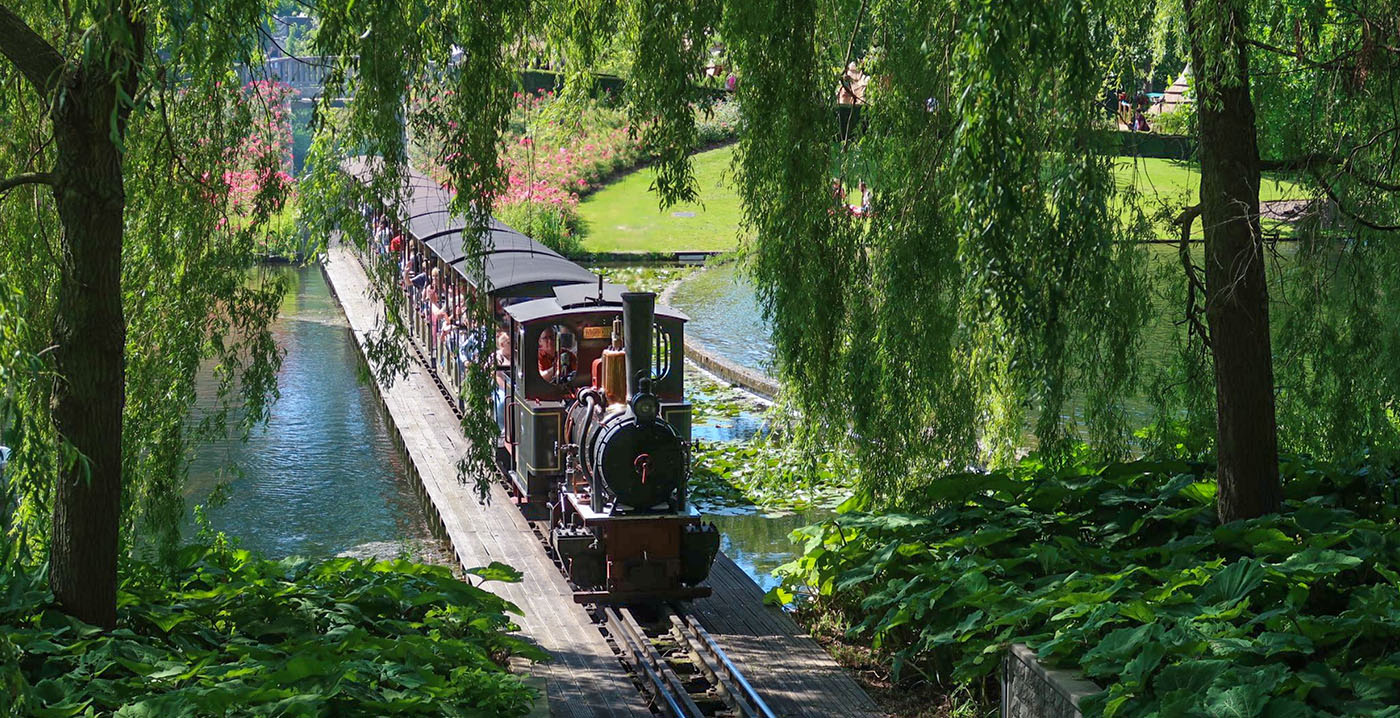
<point x="1233" y="583"/>
<point x="497" y="571"/>
<point x="1313" y="563"/>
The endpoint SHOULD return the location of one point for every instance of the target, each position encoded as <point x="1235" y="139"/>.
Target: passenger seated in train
<point x="502" y="359"/>
<point x="502" y="348"/>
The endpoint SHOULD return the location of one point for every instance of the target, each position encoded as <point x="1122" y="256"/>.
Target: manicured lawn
<point x="623" y="217"/>
<point x="1177" y="181"/>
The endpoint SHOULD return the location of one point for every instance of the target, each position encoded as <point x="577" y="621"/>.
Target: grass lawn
<point x="623" y="216"/>
<point x="1180" y="181"/>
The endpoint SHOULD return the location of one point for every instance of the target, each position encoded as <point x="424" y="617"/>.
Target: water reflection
<point x="323" y="476"/>
<point x="724" y="314"/>
<point x="758" y="543"/>
<point x="745" y="425"/>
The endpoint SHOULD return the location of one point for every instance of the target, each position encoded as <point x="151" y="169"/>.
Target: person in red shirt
<point x="396" y="243"/>
<point x="547" y="356"/>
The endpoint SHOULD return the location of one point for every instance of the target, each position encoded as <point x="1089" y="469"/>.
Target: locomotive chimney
<point x="638" y="311"/>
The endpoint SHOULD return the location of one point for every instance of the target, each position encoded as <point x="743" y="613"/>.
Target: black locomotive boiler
<point x="607" y="372"/>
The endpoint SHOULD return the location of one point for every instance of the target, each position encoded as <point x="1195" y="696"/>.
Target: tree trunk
<point x="1237" y="297"/>
<point x="89" y="334"/>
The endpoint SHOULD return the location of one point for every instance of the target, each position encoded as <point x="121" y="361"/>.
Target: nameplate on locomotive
<point x="597" y="332"/>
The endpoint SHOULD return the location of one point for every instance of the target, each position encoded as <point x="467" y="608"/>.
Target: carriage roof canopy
<point x="579" y="299"/>
<point x="514" y="263"/>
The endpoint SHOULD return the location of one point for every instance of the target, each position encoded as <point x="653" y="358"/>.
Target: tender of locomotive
<point x="589" y="397"/>
<point x="601" y="436"/>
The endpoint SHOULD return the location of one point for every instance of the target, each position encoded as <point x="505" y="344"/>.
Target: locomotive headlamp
<point x="645" y="407"/>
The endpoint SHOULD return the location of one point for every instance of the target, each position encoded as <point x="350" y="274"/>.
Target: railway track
<point x="674" y="661"/>
<point x="680" y="667"/>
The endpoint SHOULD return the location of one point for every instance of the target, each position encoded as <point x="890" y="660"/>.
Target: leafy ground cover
<point x="227" y="633"/>
<point x="770" y="473"/>
<point x="1123" y="572"/>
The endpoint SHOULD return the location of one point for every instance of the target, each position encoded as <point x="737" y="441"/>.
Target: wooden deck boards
<point x="795" y="676"/>
<point x="585" y="678"/>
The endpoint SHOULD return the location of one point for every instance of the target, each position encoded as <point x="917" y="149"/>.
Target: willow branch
<point x="1316" y="162"/>
<point x="1305" y="162"/>
<point x="35" y="58"/>
<point x="23" y="179"/>
<point x="1352" y="214"/>
<point x="1298" y="55"/>
<point x="1194" y="285"/>
<point x="850" y="48"/>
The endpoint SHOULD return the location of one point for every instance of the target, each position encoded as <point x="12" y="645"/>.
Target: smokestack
<point x="638" y="312"/>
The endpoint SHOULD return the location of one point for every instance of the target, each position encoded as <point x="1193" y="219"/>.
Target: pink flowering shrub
<point x="549" y="156"/>
<point x="258" y="176"/>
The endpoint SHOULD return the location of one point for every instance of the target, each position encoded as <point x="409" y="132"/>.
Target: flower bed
<point x="552" y="154"/>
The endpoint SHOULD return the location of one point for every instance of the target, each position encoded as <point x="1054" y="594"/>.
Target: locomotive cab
<point x="602" y="437"/>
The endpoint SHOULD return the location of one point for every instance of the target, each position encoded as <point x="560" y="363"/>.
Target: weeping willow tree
<point x="125" y="257"/>
<point x="997" y="293"/>
<point x="1307" y="337"/>
<point x="995" y="281"/>
<point x="991" y="283"/>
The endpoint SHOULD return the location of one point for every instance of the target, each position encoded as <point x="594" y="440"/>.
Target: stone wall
<point x="1030" y="690"/>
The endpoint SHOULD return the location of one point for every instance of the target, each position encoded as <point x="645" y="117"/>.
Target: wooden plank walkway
<point x="585" y="679"/>
<point x="794" y="675"/>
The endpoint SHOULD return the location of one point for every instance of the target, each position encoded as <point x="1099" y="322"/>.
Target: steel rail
<point x="681" y="633"/>
<point x="667" y="684"/>
<point x="759" y="709"/>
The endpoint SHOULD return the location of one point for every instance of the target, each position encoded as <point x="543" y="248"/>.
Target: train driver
<point x="548" y="356"/>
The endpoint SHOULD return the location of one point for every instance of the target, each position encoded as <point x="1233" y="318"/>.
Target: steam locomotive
<point x="589" y="394"/>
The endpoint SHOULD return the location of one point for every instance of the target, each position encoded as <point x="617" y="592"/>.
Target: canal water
<point x="725" y="313"/>
<point x="324" y="477"/>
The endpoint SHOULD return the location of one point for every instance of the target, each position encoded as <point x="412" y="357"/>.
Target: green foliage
<point x="771" y="473"/>
<point x="716" y="123"/>
<point x="187" y="248"/>
<point x="550" y="224"/>
<point x="1123" y="572"/>
<point x="971" y="305"/>
<point x="227" y="633"/>
<point x="711" y="400"/>
<point x="1181" y="121"/>
<point x="644" y="277"/>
